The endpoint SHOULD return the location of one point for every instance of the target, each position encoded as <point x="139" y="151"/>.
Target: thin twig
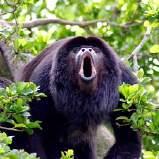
<point x="40" y="22"/>
<point x="12" y="11"/>
<point x="141" y="44"/>
<point x="10" y="129"/>
<point x="12" y="5"/>
<point x="136" y="51"/>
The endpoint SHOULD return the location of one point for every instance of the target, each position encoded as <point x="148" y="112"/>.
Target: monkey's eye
<point x="76" y="49"/>
<point x="96" y="49"/>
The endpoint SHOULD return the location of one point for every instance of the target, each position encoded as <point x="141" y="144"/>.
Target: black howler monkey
<point x="80" y="77"/>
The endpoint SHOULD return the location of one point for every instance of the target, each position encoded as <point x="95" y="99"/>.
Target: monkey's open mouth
<point x="87" y="70"/>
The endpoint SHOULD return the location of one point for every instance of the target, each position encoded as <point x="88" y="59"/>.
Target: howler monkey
<point x="80" y="77"/>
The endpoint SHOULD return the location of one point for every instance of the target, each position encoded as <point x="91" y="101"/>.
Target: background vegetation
<point x="131" y="27"/>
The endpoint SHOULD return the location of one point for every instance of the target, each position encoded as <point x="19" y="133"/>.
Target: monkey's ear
<point x="126" y="74"/>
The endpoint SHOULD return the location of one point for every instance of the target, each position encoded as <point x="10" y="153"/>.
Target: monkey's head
<point x="86" y="63"/>
<point x="85" y="72"/>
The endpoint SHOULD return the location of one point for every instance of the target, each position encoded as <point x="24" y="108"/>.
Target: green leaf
<point x="122" y="118"/>
<point x="140" y="73"/>
<point x="147" y="23"/>
<point x="154" y="49"/>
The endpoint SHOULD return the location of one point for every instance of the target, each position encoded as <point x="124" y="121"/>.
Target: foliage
<point x="7" y="153"/>
<point x="67" y="154"/>
<point x="122" y="23"/>
<point x="150" y="155"/>
<point x="146" y="117"/>
<point x="14" y="106"/>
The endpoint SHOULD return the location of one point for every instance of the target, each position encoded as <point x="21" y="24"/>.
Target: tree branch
<point x="12" y="63"/>
<point x="6" y="53"/>
<point x="40" y="22"/>
<point x="141" y="44"/>
<point x="10" y="129"/>
<point x="135" y="52"/>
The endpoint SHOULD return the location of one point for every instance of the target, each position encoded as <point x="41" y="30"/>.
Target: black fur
<point x="70" y="117"/>
<point x="4" y="82"/>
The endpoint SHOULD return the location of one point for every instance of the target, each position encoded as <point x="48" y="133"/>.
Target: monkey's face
<point x="88" y="63"/>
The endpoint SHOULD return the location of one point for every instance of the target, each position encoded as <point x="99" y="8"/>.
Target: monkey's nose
<point x="87" y="50"/>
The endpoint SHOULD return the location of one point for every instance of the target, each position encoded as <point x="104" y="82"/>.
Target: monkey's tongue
<point x="87" y="71"/>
